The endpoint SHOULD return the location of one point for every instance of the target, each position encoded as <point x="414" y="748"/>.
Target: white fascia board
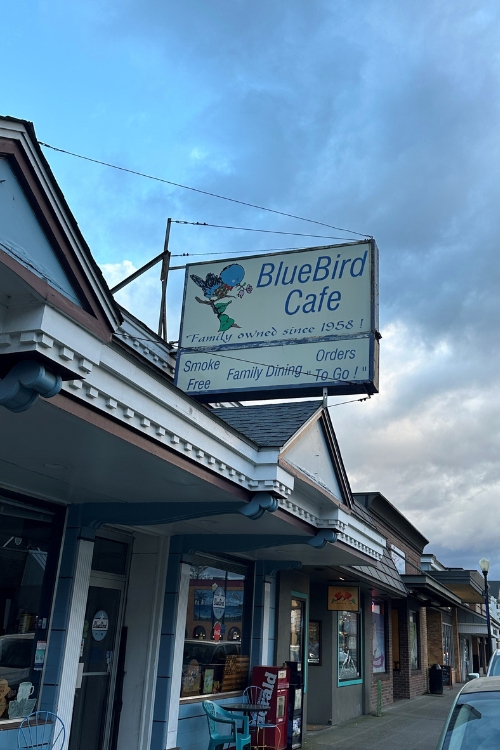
<point x="353" y="532"/>
<point x="140" y="339"/>
<point x="17" y="131"/>
<point x="349" y="529"/>
<point x="118" y="384"/>
<point x="41" y="328"/>
<point x="144" y="400"/>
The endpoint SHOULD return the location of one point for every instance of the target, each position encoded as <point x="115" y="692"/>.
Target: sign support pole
<point x="325" y="398"/>
<point x="162" y="323"/>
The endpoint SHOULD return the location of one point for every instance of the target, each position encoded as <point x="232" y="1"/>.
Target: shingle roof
<point x="383" y="571"/>
<point x="269" y="425"/>
<point x="362" y="513"/>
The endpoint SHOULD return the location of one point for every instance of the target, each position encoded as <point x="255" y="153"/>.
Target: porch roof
<point x="429" y="591"/>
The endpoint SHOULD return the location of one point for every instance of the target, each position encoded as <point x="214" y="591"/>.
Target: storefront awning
<point x="429" y="591"/>
<point x="467" y="584"/>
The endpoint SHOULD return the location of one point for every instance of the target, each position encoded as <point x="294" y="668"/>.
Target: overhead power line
<point x="203" y="192"/>
<point x="265" y="231"/>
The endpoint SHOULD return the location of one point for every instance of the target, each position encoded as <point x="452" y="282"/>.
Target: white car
<point x="474" y="720"/>
<point x="494" y="665"/>
<point x="16" y="656"/>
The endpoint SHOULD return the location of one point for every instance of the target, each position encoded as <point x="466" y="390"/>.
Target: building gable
<point x="23" y="239"/>
<point x="311" y="454"/>
<point x="40" y="240"/>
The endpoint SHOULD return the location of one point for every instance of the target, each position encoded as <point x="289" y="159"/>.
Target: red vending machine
<point x="274" y="683"/>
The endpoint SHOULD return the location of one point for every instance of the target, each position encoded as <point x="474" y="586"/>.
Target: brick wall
<point x="408" y="682"/>
<point x="457" y="671"/>
<point x="434" y="637"/>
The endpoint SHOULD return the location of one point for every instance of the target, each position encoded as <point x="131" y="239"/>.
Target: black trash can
<point x="436" y="680"/>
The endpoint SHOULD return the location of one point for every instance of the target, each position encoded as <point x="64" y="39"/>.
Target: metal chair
<point x="42" y="730"/>
<point x="217" y="715"/>
<point x="254" y="695"/>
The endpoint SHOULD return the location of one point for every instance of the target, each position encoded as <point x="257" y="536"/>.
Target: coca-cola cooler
<point x="275" y="685"/>
<point x="295" y="704"/>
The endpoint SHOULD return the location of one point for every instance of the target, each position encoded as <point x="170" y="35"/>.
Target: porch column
<point x="65" y="637"/>
<point x="168" y="679"/>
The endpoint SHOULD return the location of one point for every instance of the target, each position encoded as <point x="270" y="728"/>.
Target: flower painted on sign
<point x="216" y="289"/>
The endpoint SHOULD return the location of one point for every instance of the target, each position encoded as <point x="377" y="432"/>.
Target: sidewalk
<point x="406" y="725"/>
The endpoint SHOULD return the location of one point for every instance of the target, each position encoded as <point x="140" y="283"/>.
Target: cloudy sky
<point x="377" y="115"/>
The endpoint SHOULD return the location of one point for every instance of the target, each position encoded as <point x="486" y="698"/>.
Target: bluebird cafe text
<point x="273" y="275"/>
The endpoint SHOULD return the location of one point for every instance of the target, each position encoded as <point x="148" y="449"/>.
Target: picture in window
<point x="414" y="640"/>
<point x="349" y="651"/>
<point x="378" y="637"/>
<point x="314" y="656"/>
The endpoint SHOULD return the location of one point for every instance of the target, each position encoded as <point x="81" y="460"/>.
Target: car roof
<point x="482" y="685"/>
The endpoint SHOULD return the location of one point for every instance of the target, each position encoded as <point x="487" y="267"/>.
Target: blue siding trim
<point x="163" y="693"/>
<point x="60" y="617"/>
<point x="192" y="733"/>
<point x="8" y="739"/>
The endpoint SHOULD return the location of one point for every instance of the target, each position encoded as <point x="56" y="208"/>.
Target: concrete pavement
<point x="406" y="725"/>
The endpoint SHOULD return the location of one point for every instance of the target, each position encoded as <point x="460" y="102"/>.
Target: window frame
<point x="226" y="565"/>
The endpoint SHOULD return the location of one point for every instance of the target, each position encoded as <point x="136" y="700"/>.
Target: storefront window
<point x="30" y="537"/>
<point x="448" y="651"/>
<point x="349" y="646"/>
<point x="213" y="660"/>
<point x="414" y="640"/>
<point x="378" y="631"/>
<point x="297" y="630"/>
<point x="314" y="654"/>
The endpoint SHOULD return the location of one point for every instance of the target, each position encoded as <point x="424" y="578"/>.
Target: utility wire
<point x="198" y="190"/>
<point x="265" y="231"/>
<point x="246" y="361"/>
<point x="261" y="252"/>
<point x="250" y="362"/>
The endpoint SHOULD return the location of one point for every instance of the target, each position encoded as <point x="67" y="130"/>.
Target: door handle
<point x="79" y="675"/>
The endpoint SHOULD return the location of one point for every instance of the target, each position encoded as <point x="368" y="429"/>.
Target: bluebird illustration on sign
<point x="216" y="287"/>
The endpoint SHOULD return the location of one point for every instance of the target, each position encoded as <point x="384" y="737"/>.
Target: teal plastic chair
<point x="217" y="715"/>
<point x="41" y="730"/>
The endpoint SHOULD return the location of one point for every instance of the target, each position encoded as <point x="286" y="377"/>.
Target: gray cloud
<point x="382" y="117"/>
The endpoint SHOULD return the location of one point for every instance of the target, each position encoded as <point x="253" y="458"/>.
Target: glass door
<point x="100" y="642"/>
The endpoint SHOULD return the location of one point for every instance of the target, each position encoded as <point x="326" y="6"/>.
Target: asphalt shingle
<point x="269" y="425"/>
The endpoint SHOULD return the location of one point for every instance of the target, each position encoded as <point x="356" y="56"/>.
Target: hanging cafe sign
<point x="281" y="326"/>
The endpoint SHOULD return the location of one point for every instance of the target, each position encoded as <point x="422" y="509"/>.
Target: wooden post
<point x="162" y="322"/>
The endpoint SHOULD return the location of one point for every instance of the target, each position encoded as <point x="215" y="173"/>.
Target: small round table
<point x="247" y="708"/>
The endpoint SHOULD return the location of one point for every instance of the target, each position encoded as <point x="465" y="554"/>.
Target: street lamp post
<point x="484" y="564"/>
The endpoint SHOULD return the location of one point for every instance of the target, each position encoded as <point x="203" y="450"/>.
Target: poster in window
<point x="208" y="681"/>
<point x="202" y="604"/>
<point x="378" y="630"/>
<point x="343" y="598"/>
<point x="234" y="606"/>
<point x="314" y="653"/>
<point x="191" y="679"/>
<point x="414" y="640"/>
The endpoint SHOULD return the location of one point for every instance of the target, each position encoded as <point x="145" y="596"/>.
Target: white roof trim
<point x="17" y="131"/>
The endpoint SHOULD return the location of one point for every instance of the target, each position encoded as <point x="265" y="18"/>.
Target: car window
<point x="494" y="670"/>
<point x="16" y="653"/>
<point x="475" y="723"/>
